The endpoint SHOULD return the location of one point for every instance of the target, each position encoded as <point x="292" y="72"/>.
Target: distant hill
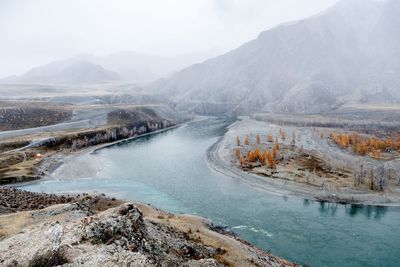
<point x="87" y="68"/>
<point x="349" y="53"/>
<point x="66" y="72"/>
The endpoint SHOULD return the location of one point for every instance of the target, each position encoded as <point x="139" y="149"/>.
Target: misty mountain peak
<point x="336" y="56"/>
<point x="71" y="71"/>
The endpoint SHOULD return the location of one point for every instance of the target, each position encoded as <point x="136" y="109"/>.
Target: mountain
<point x="67" y="72"/>
<point x="348" y="53"/>
<point x="127" y="66"/>
<point x="133" y="66"/>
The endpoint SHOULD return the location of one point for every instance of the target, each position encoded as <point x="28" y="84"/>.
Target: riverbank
<point x="185" y="240"/>
<point x="51" y="163"/>
<point x="99" y="231"/>
<point x="19" y="163"/>
<point x="181" y="182"/>
<point x="31" y="137"/>
<point x="220" y="158"/>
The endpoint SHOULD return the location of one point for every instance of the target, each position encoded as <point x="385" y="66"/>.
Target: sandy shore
<point x="219" y="157"/>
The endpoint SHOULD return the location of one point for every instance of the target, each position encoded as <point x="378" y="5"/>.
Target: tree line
<point x="366" y="145"/>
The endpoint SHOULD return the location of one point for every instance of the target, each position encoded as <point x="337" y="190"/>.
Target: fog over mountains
<point x="72" y="71"/>
<point x="346" y="54"/>
<point x="121" y="66"/>
<point x="349" y="53"/>
<point x="134" y="66"/>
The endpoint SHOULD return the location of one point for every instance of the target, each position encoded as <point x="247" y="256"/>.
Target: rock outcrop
<point x="127" y="235"/>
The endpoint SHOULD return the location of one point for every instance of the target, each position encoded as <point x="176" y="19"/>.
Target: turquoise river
<point x="170" y="171"/>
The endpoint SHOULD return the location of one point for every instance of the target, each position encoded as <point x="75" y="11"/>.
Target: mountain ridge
<point x="128" y="66"/>
<point x="312" y="65"/>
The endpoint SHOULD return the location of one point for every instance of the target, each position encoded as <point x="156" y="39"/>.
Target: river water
<point x="170" y="171"/>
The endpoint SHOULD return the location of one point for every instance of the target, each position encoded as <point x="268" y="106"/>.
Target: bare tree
<point x="360" y="174"/>
<point x="382" y="177"/>
<point x="372" y="178"/>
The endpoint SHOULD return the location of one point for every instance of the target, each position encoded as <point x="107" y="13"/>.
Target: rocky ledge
<point x="125" y="235"/>
<point x="14" y="200"/>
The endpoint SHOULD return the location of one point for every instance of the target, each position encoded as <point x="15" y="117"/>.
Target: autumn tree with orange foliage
<point x="274" y="153"/>
<point x="362" y="148"/>
<point x="258" y="139"/>
<point x="246" y="140"/>
<point x="270" y="161"/>
<point x="342" y="140"/>
<point x="277" y="146"/>
<point x="263" y="156"/>
<point x="241" y="160"/>
<point x="267" y="157"/>
<point x="251" y="156"/>
<point x="254" y="155"/>
<point x="238" y="153"/>
<point x="366" y="145"/>
<point x="270" y="138"/>
<point x="238" y="140"/>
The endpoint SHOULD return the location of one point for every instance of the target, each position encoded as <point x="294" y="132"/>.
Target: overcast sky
<point x="34" y="32"/>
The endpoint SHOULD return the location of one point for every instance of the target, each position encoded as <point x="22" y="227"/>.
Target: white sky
<point x="34" y="32"/>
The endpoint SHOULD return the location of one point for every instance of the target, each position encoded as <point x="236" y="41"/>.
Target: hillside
<point x="346" y="54"/>
<point x="67" y="72"/>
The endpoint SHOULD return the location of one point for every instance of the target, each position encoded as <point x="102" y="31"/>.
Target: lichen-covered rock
<point x="124" y="227"/>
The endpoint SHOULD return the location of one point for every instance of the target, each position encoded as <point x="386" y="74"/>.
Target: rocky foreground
<point x="98" y="231"/>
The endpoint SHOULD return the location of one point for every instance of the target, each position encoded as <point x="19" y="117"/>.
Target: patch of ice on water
<point x="253" y="229"/>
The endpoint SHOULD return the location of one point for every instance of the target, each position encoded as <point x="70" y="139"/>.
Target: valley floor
<point x="99" y="231"/>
